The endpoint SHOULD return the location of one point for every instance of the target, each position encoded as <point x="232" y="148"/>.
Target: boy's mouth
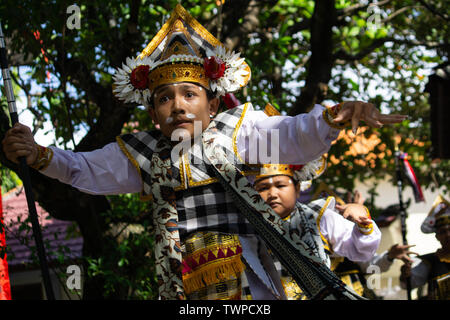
<point x="181" y="122"/>
<point x="274" y="204"/>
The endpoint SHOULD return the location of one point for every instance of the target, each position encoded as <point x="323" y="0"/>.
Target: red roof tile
<point x="60" y="234"/>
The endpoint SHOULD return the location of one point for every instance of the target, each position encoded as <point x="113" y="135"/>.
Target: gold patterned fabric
<point x="443" y="287"/>
<point x="439" y="275"/>
<point x="43" y="159"/>
<point x="212" y="266"/>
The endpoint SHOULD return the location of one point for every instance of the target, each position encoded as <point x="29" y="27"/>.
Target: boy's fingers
<point x="391" y="118"/>
<point x="364" y="221"/>
<point x="338" y="118"/>
<point x="356" y="117"/>
<point x="407" y="259"/>
<point x="373" y="123"/>
<point x="21" y="153"/>
<point x="343" y="115"/>
<point x="13" y="139"/>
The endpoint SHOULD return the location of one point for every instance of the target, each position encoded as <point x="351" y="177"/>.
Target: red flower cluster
<point x="296" y="167"/>
<point x="139" y="77"/>
<point x="214" y="68"/>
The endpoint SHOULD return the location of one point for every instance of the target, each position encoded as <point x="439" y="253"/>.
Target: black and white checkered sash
<point x="305" y="222"/>
<point x="202" y="203"/>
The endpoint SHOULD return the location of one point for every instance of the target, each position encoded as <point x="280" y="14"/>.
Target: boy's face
<point x="280" y="193"/>
<point x="178" y="105"/>
<point x="443" y="236"/>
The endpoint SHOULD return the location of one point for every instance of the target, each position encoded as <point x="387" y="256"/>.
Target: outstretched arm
<point x="304" y="137"/>
<point x="345" y="238"/>
<point x="384" y="260"/>
<point x="102" y="171"/>
<point x="297" y="140"/>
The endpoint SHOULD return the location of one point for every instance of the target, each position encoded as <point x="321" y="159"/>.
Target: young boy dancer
<point x="321" y="226"/>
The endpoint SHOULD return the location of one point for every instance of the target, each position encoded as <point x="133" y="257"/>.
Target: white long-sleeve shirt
<point x="108" y="171"/>
<point x="346" y="240"/>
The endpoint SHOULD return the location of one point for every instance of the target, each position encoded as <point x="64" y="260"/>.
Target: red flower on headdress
<point x="230" y="100"/>
<point x="214" y="68"/>
<point x="296" y="167"/>
<point x="139" y="77"/>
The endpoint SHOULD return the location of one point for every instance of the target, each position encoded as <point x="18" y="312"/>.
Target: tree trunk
<point x="321" y="62"/>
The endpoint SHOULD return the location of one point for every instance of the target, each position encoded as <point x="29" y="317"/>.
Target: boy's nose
<point x="178" y="105"/>
<point x="272" y="194"/>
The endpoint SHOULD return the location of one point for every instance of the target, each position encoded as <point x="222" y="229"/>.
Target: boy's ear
<point x="297" y="188"/>
<point x="152" y="114"/>
<point x="214" y="106"/>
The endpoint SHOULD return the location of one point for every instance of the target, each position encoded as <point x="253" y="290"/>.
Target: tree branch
<point x="434" y="11"/>
<point x="358" y="7"/>
<point x="398" y="12"/>
<point x="321" y="59"/>
<point x="343" y="55"/>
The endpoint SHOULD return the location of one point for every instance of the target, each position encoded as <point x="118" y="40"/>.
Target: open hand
<point x="354" y="212"/>
<point x="358" y="110"/>
<point x="401" y="252"/>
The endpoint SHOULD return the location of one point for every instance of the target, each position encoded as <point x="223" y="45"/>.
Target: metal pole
<point x="403" y="214"/>
<point x="25" y="173"/>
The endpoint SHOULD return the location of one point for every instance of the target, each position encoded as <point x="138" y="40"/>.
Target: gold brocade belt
<point x="212" y="266"/>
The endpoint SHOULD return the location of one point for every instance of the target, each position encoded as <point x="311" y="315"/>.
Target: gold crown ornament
<point x="438" y="216"/>
<point x="182" y="51"/>
<point x="301" y="173"/>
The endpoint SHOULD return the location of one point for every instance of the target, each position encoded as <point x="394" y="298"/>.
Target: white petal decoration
<point x="124" y="90"/>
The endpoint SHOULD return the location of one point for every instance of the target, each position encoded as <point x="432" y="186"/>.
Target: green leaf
<point x="353" y="31"/>
<point x="355" y="86"/>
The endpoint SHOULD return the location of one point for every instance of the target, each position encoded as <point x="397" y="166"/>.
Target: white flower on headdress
<point x="234" y="74"/>
<point x="309" y="171"/>
<point x="305" y="185"/>
<point x="131" y="81"/>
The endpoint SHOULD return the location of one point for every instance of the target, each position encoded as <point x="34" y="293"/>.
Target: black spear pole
<point x="25" y="173"/>
<point x="403" y="214"/>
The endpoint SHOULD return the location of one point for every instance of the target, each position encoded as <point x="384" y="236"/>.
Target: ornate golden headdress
<point x="438" y="216"/>
<point x="183" y="50"/>
<point x="269" y="170"/>
<point x="301" y="173"/>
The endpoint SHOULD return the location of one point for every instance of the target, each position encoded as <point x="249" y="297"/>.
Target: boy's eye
<point x="189" y="94"/>
<point x="163" y="99"/>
